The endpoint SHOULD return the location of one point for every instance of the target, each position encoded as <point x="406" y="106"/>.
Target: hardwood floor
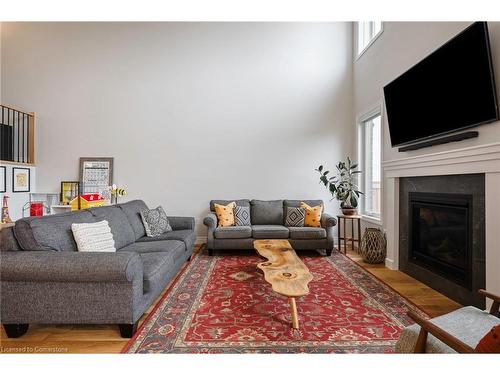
<point x="429" y="300"/>
<point x="107" y="339"/>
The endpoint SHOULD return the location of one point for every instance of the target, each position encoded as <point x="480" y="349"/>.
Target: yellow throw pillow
<point x="225" y="214"/>
<point x="313" y="215"/>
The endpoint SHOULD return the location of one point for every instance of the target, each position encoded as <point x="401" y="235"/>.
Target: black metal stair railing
<point x="16" y="135"/>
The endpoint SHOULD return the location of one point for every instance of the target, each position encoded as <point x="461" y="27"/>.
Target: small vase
<point x="373" y="247"/>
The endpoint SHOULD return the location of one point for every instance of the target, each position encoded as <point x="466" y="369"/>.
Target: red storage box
<point x="36" y="209"/>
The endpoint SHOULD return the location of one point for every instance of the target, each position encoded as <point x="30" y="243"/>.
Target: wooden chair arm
<point x="492" y="296"/>
<point x="428" y="327"/>
<point x="495" y="307"/>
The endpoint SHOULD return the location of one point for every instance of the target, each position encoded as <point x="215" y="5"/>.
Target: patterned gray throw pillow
<point x="242" y="216"/>
<point x="155" y="221"/>
<point x="295" y="217"/>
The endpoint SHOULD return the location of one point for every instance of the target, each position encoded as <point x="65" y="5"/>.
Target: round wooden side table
<point x="355" y="237"/>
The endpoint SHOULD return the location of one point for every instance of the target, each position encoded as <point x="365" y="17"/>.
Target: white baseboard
<point x="389" y="263"/>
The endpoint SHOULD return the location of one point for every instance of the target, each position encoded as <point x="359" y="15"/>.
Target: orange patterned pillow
<point x="313" y="215"/>
<point x="490" y="343"/>
<point x="225" y="214"/>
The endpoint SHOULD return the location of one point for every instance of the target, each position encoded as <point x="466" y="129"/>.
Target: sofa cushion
<point x="490" y="343"/>
<point x="269" y="231"/>
<point x="155" y="221"/>
<point x="157" y="266"/>
<point x="295" y="217"/>
<point x="154" y="246"/>
<point x="233" y="232"/>
<point x="8" y="241"/>
<point x="296" y="203"/>
<point x="225" y="214"/>
<point x="52" y="232"/>
<point x="132" y="210"/>
<point x="93" y="237"/>
<point x="239" y="202"/>
<point x="187" y="236"/>
<point x="266" y="212"/>
<point x="468" y="324"/>
<point x="307" y="232"/>
<point x="313" y="215"/>
<point x="242" y="216"/>
<point x="123" y="233"/>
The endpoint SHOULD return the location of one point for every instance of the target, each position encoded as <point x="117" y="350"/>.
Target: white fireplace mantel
<point x="477" y="159"/>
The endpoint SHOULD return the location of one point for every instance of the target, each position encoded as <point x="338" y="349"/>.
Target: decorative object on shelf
<point x="343" y="186"/>
<point x="69" y="190"/>
<point x="3" y="179"/>
<point x="40" y="204"/>
<point x="373" y="246"/>
<point x="96" y="175"/>
<point x="117" y="192"/>
<point x="20" y="180"/>
<point x="36" y="208"/>
<point x="85" y="201"/>
<point x="5" y="211"/>
<point x="48" y="199"/>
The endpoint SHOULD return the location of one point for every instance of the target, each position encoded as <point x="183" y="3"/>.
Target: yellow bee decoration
<point x="117" y="192"/>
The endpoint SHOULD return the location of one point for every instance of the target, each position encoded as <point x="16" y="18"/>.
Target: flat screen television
<point x="451" y="89"/>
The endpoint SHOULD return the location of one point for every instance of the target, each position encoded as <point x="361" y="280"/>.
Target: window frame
<point x="361" y="119"/>
<point x="372" y="40"/>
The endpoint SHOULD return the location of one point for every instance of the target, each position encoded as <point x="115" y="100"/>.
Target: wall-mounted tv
<point x="451" y="89"/>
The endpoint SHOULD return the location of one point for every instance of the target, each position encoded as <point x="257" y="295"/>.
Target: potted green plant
<point x="343" y="185"/>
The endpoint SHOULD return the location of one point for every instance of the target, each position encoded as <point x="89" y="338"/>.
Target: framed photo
<point x="96" y="175"/>
<point x="3" y="179"/>
<point x="20" y="180"/>
<point x="69" y="190"/>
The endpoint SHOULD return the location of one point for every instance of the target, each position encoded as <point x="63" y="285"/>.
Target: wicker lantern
<point x="373" y="246"/>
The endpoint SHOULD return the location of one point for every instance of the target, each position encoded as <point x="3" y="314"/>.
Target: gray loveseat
<point x="268" y="222"/>
<point x="45" y="280"/>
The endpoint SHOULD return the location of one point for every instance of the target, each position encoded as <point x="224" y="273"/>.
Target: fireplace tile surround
<point x="481" y="159"/>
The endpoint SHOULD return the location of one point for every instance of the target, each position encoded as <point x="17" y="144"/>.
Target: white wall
<point x="190" y="111"/>
<point x="398" y="48"/>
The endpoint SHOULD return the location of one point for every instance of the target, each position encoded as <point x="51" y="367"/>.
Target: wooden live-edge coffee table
<point x="284" y="270"/>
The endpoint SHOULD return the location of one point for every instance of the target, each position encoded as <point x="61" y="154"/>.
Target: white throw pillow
<point x="94" y="237"/>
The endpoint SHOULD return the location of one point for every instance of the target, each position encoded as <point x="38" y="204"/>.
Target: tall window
<point x="367" y="31"/>
<point x="370" y="155"/>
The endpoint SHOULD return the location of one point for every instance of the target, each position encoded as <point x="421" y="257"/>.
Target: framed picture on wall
<point x="3" y="179"/>
<point x="69" y="190"/>
<point x="20" y="180"/>
<point x="96" y="175"/>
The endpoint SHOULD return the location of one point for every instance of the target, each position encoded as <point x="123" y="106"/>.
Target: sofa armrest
<point x="328" y="221"/>
<point x="181" y="222"/>
<point x="210" y="221"/>
<point x="70" y="266"/>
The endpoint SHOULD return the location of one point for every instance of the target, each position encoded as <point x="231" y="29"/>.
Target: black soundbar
<point x="440" y="141"/>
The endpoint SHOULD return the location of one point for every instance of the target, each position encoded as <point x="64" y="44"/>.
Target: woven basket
<point x="373" y="246"/>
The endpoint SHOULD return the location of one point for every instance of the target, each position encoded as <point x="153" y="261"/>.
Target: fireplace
<point x="440" y="233"/>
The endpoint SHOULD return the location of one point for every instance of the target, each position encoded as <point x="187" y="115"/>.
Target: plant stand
<point x="343" y="240"/>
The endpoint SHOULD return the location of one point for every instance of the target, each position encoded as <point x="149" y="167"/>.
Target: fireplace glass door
<point x="440" y="234"/>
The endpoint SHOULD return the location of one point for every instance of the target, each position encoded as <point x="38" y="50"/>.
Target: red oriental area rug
<point x="222" y="304"/>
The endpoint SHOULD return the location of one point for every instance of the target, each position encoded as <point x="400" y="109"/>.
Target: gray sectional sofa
<point x="45" y="280"/>
<point x="267" y="222"/>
